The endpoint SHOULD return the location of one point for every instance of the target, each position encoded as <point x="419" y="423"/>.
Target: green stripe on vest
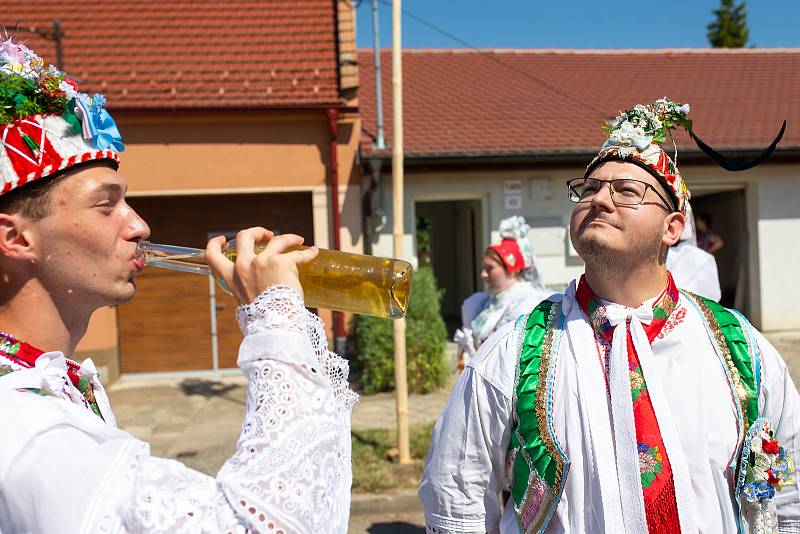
<point x="539" y="467"/>
<point x="527" y="384"/>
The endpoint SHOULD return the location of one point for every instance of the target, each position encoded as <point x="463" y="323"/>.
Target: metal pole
<point x="212" y="294"/>
<point x="400" y="375"/>
<point x="380" y="137"/>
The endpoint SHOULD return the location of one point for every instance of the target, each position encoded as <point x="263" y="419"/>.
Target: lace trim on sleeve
<point x="276" y="307"/>
<point x="337" y="369"/>
<point x="281" y="308"/>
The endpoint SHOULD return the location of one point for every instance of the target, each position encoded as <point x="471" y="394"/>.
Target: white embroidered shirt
<point x="63" y="469"/>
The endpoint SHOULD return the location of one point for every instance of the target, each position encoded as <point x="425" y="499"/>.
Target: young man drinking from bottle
<point x="68" y="243"/>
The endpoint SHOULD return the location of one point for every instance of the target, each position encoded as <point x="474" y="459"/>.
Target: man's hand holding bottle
<point x="252" y="272"/>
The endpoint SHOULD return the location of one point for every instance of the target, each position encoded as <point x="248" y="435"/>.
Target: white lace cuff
<point x="271" y="324"/>
<point x="277" y="307"/>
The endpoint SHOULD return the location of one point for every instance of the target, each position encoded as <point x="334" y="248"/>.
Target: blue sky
<point x="575" y="24"/>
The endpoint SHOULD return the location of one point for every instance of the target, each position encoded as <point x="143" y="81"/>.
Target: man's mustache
<point x="592" y="218"/>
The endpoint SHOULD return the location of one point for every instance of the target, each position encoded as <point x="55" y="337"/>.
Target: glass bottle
<point x="335" y="280"/>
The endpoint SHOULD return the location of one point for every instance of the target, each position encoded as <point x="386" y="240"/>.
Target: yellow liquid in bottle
<point x="355" y="283"/>
<point x="334" y="280"/>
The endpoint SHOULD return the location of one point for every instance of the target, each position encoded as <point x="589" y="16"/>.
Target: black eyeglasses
<point x="624" y="191"/>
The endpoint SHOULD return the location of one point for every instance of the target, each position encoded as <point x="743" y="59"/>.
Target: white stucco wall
<point x="778" y="223"/>
<point x="772" y="209"/>
<point x="547" y="212"/>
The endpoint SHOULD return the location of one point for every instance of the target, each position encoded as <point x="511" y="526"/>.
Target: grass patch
<point x="375" y="470"/>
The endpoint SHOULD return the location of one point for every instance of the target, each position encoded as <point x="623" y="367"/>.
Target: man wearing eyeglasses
<point x="625" y="404"/>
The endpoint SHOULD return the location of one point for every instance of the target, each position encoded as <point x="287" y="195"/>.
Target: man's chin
<point x="125" y="295"/>
<point x="595" y="246"/>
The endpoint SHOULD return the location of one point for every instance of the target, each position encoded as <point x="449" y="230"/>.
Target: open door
<point x="455" y="251"/>
<point x="727" y="212"/>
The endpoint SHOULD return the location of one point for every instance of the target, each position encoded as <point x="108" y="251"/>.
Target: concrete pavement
<point x="197" y="421"/>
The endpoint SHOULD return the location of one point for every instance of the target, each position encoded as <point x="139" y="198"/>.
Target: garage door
<point x="167" y="326"/>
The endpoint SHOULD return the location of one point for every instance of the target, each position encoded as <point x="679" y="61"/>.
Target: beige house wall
<point x="201" y="153"/>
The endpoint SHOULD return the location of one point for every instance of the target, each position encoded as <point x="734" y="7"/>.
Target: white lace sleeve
<point x="291" y="471"/>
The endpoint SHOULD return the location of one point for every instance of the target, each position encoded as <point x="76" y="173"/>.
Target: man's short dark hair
<point x="33" y="200"/>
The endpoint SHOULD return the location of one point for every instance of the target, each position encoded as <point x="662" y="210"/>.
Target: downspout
<point x="379" y="142"/>
<point x="374" y="165"/>
<point x="339" y="337"/>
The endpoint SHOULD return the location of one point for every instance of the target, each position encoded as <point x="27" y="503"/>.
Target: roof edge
<point x="564" y="156"/>
<point x="594" y="51"/>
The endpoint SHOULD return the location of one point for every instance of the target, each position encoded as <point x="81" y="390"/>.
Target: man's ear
<point x="14" y="239"/>
<point x="673" y="228"/>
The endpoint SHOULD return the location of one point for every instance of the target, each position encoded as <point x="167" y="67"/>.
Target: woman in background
<point x="513" y="287"/>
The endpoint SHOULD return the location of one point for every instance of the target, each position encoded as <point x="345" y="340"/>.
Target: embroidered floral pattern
<point x="650" y="462"/>
<point x="597" y="316"/>
<point x="23" y="354"/>
<point x="663" y="309"/>
<point x="676" y="319"/>
<point x="638" y="385"/>
<point x="9" y="345"/>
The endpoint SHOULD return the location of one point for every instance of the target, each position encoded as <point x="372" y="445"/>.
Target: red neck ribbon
<point x="658" y="486"/>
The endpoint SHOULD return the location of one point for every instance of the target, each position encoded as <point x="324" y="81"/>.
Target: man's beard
<point x="609" y="263"/>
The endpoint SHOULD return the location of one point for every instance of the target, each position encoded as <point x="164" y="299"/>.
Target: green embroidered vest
<point x="538" y="463"/>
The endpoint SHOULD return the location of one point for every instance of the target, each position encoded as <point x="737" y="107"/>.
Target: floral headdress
<point x="637" y="135"/>
<point x="46" y="124"/>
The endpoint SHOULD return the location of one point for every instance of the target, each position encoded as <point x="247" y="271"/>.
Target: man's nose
<point x="603" y="197"/>
<point x="138" y="229"/>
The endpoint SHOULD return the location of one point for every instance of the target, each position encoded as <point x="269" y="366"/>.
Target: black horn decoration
<point x="737" y="165"/>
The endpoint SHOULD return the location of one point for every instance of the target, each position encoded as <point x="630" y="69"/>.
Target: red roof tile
<point x="466" y="102"/>
<point x="152" y="54"/>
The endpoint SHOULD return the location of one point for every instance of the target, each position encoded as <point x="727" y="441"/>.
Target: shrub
<point x="425" y="341"/>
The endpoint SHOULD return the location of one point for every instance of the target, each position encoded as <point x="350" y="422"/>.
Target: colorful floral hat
<point x="46" y="125"/>
<point x="637" y="136"/>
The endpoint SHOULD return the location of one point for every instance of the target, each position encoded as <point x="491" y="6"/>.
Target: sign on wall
<point x="512" y="194"/>
<point x="541" y="189"/>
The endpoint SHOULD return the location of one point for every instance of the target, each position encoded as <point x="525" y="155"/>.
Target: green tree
<point x="426" y="335"/>
<point x="729" y="29"/>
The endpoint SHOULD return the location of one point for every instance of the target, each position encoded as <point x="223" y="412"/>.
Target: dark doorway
<point x="455" y="249"/>
<point x="727" y="211"/>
